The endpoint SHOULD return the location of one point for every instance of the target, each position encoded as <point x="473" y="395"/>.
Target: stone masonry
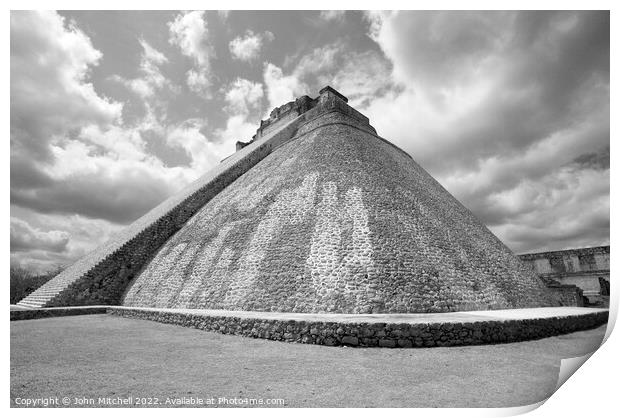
<point x="378" y="334"/>
<point x="586" y="269"/>
<point x="316" y="214"/>
<point x="336" y="220"/>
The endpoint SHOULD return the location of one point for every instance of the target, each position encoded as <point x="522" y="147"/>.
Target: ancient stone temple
<point x="317" y="213"/>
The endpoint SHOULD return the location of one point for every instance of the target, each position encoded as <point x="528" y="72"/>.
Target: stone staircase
<point x="42" y="296"/>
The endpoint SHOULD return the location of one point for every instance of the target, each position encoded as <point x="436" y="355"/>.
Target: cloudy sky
<point x="112" y="112"/>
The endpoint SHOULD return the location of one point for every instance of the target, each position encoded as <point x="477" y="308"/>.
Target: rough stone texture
<point x="585" y="268"/>
<point x="319" y="215"/>
<point x="389" y="335"/>
<point x="566" y="295"/>
<point x="336" y="220"/>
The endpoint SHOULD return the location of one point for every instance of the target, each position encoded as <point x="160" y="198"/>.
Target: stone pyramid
<point x="316" y="214"/>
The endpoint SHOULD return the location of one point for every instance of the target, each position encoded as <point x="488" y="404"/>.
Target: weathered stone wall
<point x="320" y="216"/>
<point x="376" y="334"/>
<point x="593" y="259"/>
<point x="567" y="295"/>
<point x="336" y="220"/>
<point x="579" y="267"/>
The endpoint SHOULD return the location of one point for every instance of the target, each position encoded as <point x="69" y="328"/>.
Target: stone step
<point x="34" y="302"/>
<point x="24" y="301"/>
<point x="29" y="305"/>
<point x="37" y="299"/>
<point x="44" y="294"/>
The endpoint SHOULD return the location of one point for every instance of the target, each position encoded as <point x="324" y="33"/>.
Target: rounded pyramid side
<point x="336" y="220"/>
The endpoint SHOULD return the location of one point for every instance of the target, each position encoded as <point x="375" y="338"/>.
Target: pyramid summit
<point x="316" y="214"/>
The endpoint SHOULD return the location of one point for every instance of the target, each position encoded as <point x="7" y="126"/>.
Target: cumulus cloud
<point x="198" y="81"/>
<point x="101" y="184"/>
<point x="152" y="80"/>
<point x="332" y="15"/>
<point x="189" y="32"/>
<point x="24" y="238"/>
<point x="243" y="96"/>
<point x="312" y="70"/>
<point x="280" y="88"/>
<point x="50" y="93"/>
<point x="205" y="152"/>
<point x="237" y="129"/>
<point x="82" y="156"/>
<point x="568" y="208"/>
<point x="92" y="165"/>
<point x="244" y="99"/>
<point x="82" y="235"/>
<point x="320" y="60"/>
<point x="73" y="157"/>
<point x="495" y="105"/>
<point x="509" y="92"/>
<point x="247" y="47"/>
<point x="361" y="76"/>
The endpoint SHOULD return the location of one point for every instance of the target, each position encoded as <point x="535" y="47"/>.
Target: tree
<point x="24" y="282"/>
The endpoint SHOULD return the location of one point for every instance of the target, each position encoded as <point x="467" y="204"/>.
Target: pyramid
<point x="317" y="214"/>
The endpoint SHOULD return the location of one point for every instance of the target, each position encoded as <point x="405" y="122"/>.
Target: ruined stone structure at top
<point x="316" y="213"/>
<point x="286" y="113"/>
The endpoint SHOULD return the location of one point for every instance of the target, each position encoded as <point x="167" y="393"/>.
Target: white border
<point x="591" y="392"/>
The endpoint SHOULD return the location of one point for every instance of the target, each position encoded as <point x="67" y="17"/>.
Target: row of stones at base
<point x="377" y="334"/>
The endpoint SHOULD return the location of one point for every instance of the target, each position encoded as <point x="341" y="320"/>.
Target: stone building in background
<point x="586" y="268"/>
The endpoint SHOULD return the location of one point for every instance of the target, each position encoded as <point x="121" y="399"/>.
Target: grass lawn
<point x="96" y="356"/>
